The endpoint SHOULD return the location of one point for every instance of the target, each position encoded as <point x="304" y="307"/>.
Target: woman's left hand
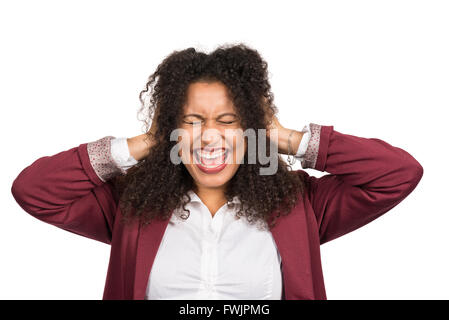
<point x="283" y="133"/>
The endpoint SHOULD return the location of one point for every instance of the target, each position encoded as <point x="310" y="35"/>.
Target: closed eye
<point x="194" y="123"/>
<point x="198" y="122"/>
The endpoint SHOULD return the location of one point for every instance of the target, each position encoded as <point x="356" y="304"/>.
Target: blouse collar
<point x="194" y="197"/>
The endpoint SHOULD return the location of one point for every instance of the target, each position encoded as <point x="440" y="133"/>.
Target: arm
<point x="127" y="152"/>
<point x="304" y="143"/>
<point x="368" y="177"/>
<point x="70" y="189"/>
<point x="121" y="154"/>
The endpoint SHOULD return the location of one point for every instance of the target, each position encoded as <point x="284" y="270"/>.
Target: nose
<point x="210" y="135"/>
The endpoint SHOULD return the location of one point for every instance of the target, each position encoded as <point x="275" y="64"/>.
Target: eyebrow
<point x="201" y="117"/>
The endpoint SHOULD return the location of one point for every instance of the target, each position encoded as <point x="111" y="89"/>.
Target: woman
<point x="189" y="216"/>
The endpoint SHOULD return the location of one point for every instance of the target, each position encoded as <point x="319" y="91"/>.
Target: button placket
<point x="214" y="230"/>
<point x="206" y="254"/>
<point x="211" y="229"/>
<point x="217" y="225"/>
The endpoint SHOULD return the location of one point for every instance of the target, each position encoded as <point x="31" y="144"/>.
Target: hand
<point x="273" y="122"/>
<point x="153" y="127"/>
<point x="140" y="146"/>
<point x="283" y="133"/>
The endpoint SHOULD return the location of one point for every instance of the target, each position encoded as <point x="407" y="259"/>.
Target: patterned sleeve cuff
<point x="310" y="156"/>
<point x="101" y="159"/>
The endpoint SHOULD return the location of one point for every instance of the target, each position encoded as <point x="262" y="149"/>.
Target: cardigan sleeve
<point x="70" y="190"/>
<point x="367" y="177"/>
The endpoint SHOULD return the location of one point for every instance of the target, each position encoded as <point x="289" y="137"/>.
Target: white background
<point x="71" y="71"/>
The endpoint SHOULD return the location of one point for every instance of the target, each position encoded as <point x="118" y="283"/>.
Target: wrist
<point x="295" y="141"/>
<point x="139" y="146"/>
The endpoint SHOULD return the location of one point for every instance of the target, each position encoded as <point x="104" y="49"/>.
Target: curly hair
<point x="154" y="187"/>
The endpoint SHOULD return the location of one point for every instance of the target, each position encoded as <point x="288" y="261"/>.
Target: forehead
<point x="208" y="98"/>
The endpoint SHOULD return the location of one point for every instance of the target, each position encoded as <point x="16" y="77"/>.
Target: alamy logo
<point x="233" y="141"/>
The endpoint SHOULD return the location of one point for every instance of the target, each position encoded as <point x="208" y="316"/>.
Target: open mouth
<point x="211" y="161"/>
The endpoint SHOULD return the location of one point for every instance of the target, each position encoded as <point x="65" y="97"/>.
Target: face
<point x="212" y="146"/>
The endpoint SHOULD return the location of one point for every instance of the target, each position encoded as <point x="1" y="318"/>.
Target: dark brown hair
<point x="155" y="186"/>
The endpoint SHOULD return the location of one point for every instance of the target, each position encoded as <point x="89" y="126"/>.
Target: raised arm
<point x="71" y="189"/>
<point x="367" y="177"/>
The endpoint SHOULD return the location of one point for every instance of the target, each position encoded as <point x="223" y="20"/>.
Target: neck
<point x="213" y="198"/>
<point x="211" y="194"/>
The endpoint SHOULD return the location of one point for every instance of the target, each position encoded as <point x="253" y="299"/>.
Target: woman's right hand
<point x="153" y="127"/>
<point x="139" y="146"/>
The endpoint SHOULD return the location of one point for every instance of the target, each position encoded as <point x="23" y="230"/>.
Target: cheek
<point x="184" y="142"/>
<point x="239" y="146"/>
<point x="240" y="154"/>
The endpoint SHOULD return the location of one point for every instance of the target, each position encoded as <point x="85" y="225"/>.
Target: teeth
<point x="204" y="155"/>
<point x="211" y="155"/>
<point x="210" y="167"/>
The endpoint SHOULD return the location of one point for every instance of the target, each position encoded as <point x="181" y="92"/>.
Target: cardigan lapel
<point x="291" y="236"/>
<point x="149" y="239"/>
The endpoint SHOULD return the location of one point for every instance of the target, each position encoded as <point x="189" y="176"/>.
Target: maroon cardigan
<point x="367" y="177"/>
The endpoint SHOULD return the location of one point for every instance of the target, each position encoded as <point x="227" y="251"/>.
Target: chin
<point x="212" y="180"/>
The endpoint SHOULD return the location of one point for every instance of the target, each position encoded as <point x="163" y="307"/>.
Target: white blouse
<point x="213" y="257"/>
